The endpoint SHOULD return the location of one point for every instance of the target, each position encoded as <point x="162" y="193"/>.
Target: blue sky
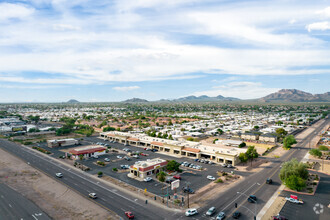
<point x="55" y="50"/>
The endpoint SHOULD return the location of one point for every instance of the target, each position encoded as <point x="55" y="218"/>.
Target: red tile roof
<point x="157" y="143"/>
<point x="87" y="151"/>
<point x="191" y="149"/>
<point x="133" y="139"/>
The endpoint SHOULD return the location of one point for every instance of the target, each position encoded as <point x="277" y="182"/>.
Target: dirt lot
<point x="57" y="200"/>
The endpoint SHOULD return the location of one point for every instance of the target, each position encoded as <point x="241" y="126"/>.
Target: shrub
<point x="114" y="169"/>
<point x="100" y="173"/>
<point x="315" y="152"/>
<point x="243" y="144"/>
<point x="295" y="182"/>
<point x="177" y="201"/>
<point x="101" y="163"/>
<point x="323" y="148"/>
<point x="219" y="180"/>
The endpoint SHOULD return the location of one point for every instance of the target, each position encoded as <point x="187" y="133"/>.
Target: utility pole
<point x="187" y="188"/>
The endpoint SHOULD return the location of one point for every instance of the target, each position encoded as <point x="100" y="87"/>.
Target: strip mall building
<point x="188" y="149"/>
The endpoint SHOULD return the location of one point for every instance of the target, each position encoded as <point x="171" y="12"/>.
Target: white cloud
<point x="9" y="10"/>
<point x="325" y="12"/>
<point x="318" y="26"/>
<point x="126" y="88"/>
<point x="242" y="90"/>
<point x="121" y="44"/>
<point x="65" y="27"/>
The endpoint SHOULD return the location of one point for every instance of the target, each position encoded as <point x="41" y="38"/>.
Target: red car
<point x="142" y="154"/>
<point x="178" y="177"/>
<point x="129" y="215"/>
<point x="279" y="217"/>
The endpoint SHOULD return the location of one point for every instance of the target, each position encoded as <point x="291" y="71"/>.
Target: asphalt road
<point x="108" y="197"/>
<point x="255" y="185"/>
<point x="15" y="206"/>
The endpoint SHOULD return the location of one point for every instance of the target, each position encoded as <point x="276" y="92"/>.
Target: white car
<point x="191" y="212"/>
<point x="210" y="177"/>
<point x="59" y="175"/>
<point x="119" y="157"/>
<point x="92" y="195"/>
<point x="107" y="159"/>
<point x="297" y="201"/>
<point x="147" y="179"/>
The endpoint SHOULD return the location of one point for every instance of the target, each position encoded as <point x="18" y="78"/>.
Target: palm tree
<point x="161" y="177"/>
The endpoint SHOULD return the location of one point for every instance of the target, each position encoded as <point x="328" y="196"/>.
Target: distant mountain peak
<point x="295" y="95"/>
<point x="204" y="98"/>
<point x="136" y="100"/>
<point x="73" y="101"/>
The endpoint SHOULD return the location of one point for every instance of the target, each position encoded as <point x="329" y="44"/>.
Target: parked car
<point x="147" y="179"/>
<point x="210" y="177"/>
<point x="169" y="180"/>
<point x="178" y="177"/>
<point x="59" y="175"/>
<point x="154" y="150"/>
<point x="196" y="160"/>
<point x="221" y="216"/>
<point x="279" y="217"/>
<point x="92" y="195"/>
<point x="236" y="214"/>
<point x="127" y="158"/>
<point x="188" y="190"/>
<point x="269" y="181"/>
<point x="119" y="157"/>
<point x="229" y="166"/>
<point x="129" y="215"/>
<point x="124" y="167"/>
<point x="224" y="165"/>
<point x="252" y="199"/>
<point x="296" y="201"/>
<point x="96" y="157"/>
<point x="107" y="159"/>
<point x="136" y="156"/>
<point x="142" y="154"/>
<point x="191" y="212"/>
<point x="211" y="211"/>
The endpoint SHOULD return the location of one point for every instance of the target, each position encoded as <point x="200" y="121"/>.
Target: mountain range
<point x="283" y="95"/>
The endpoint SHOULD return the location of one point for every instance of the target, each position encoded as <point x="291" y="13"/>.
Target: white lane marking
<point x="103" y="199"/>
<point x="2" y="196"/>
<point x="10" y="206"/>
<point x="51" y="160"/>
<point x="34" y="217"/>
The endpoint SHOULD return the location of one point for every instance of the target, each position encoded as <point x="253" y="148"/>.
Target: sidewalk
<point x="266" y="209"/>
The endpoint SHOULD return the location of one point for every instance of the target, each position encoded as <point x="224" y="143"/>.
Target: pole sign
<point x="175" y="184"/>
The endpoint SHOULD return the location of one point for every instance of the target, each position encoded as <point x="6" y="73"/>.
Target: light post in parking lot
<point x="255" y="205"/>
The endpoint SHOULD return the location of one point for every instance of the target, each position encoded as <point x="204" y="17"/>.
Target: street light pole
<point x="255" y="205"/>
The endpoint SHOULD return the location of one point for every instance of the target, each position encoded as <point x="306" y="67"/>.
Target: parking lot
<point x="194" y="177"/>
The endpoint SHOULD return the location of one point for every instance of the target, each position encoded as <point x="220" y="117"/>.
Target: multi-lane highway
<point x="15" y="206"/>
<point x="110" y="198"/>
<point x="118" y="202"/>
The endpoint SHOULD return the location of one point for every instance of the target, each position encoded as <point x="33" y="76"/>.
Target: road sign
<point x="175" y="184"/>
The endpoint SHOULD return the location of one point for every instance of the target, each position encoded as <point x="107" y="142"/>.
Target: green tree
<point x="243" y="144"/>
<point x="243" y="157"/>
<point x="279" y="123"/>
<point x="172" y="165"/>
<point x="256" y="127"/>
<point x="220" y="131"/>
<point x="251" y="153"/>
<point x="170" y="137"/>
<point x="315" y="153"/>
<point x="295" y="182"/>
<point x="281" y="132"/>
<point x="109" y="129"/>
<point x="161" y="176"/>
<point x="288" y="141"/>
<point x="292" y="171"/>
<point x="323" y="148"/>
<point x="81" y="156"/>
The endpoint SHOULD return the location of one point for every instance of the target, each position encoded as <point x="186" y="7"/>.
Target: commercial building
<point x="146" y="168"/>
<point x="88" y="151"/>
<point x="189" y="149"/>
<point x="62" y="142"/>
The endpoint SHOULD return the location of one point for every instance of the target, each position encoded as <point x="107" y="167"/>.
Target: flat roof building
<point x="88" y="151"/>
<point x="146" y="168"/>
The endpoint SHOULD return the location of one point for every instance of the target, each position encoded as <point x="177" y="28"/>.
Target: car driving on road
<point x="221" y="216"/>
<point x="211" y="211"/>
<point x="92" y="195"/>
<point x="210" y="177"/>
<point x="59" y="175"/>
<point x="191" y="212"/>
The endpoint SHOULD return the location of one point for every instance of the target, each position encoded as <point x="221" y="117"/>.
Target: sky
<point x="113" y="50"/>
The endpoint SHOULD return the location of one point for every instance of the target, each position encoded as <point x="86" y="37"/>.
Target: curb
<point x="270" y="202"/>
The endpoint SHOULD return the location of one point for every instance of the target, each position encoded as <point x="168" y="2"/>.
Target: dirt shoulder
<point x="54" y="198"/>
